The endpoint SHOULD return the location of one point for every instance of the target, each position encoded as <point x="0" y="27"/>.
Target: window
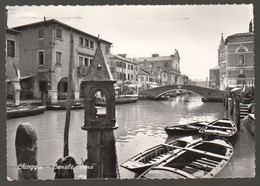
<point x="58" y="58"/>
<point x="41" y="58"/>
<point x="81" y="41"/>
<point x="80" y="61"/>
<point x="58" y="33"/>
<point x="241" y="50"/>
<point x="241" y="79"/>
<point x="241" y="59"/>
<point x="10" y="48"/>
<point x="132" y="67"/>
<point x="41" y="33"/>
<point x="165" y="64"/>
<point x="86" y="62"/>
<point x="65" y="87"/>
<point x="90" y="61"/>
<point x="91" y="44"/>
<point x="86" y="43"/>
<point x="107" y="49"/>
<point x="128" y="76"/>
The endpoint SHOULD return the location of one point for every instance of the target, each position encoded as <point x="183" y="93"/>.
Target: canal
<point x="141" y="126"/>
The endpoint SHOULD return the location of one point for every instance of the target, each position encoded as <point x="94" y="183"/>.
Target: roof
<point x="239" y="35"/>
<point x="144" y="72"/>
<point x="99" y="70"/>
<point x="160" y="58"/>
<point x="12" y="31"/>
<point x="54" y="21"/>
<point x="124" y="59"/>
<point x="215" y="68"/>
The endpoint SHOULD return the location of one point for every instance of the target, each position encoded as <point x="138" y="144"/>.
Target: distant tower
<point x="221" y="50"/>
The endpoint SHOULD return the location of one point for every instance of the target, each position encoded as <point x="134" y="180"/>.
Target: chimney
<point x="155" y="55"/>
<point x="251" y="26"/>
<point x="122" y="55"/>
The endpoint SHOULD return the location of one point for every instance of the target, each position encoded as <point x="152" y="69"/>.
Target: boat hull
<point x="26" y="112"/>
<point x="154" y="155"/>
<point x="61" y="107"/>
<point x="189" y="129"/>
<point x="223" y="128"/>
<point x="202" y="160"/>
<point x="118" y="101"/>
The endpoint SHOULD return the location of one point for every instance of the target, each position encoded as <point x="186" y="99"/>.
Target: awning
<point x="235" y="90"/>
<point x="154" y="86"/>
<point x="132" y="85"/>
<point x="25" y="77"/>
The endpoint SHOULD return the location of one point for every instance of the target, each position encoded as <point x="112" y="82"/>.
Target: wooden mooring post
<point x="26" y="152"/>
<point x="237" y="112"/>
<point x="232" y="104"/>
<point x="226" y="101"/>
<point x="64" y="166"/>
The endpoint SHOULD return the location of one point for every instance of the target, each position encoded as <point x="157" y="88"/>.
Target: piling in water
<point x="26" y="152"/>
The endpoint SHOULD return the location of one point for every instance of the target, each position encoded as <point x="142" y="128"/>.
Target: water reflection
<point x="141" y="126"/>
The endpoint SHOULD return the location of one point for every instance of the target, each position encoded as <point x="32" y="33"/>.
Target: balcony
<point x="82" y="71"/>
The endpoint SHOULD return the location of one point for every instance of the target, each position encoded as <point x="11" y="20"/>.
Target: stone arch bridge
<point x="207" y="94"/>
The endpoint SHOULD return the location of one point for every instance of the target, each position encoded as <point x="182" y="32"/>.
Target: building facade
<point x="123" y="69"/>
<point x="214" y="78"/>
<point x="45" y="53"/>
<point x="166" y="69"/>
<point x="146" y="80"/>
<point x="236" y="60"/>
<point x="12" y="65"/>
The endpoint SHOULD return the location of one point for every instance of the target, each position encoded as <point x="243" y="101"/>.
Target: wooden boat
<point x="225" y="128"/>
<point x="23" y="111"/>
<point x="161" y="98"/>
<point x="154" y="155"/>
<point x="201" y="160"/>
<point x="119" y="100"/>
<point x="191" y="128"/>
<point x="63" y="106"/>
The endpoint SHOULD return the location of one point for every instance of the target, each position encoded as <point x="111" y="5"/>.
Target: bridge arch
<point x="207" y="93"/>
<point x="178" y="89"/>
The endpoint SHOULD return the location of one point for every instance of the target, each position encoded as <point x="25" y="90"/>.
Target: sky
<point x="140" y="31"/>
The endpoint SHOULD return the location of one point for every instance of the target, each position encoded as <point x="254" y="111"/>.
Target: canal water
<point x="141" y="126"/>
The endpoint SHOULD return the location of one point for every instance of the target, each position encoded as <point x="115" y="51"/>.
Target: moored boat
<point x="163" y="97"/>
<point x="24" y="111"/>
<point x="63" y="107"/>
<point x="119" y="100"/>
<point x="154" y="155"/>
<point x="203" y="159"/>
<point x="225" y="128"/>
<point x="191" y="128"/>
